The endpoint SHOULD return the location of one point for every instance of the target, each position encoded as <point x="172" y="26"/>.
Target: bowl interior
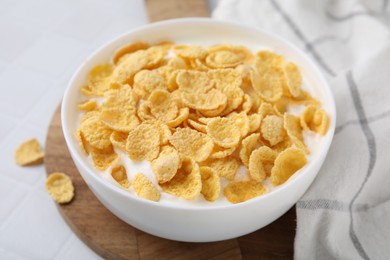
<point x="206" y="32"/>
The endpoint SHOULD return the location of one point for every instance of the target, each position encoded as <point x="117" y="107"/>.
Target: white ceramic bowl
<point x="195" y="224"/>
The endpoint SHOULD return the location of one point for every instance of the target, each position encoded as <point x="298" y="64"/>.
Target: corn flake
<point x="156" y="54"/>
<point x="197" y="126"/>
<point x="144" y="188"/>
<point x="130" y="64"/>
<point x="189" y="51"/>
<point x="320" y="122"/>
<point x="280" y="106"/>
<point x="314" y="119"/>
<point x="82" y="142"/>
<point x="144" y="113"/>
<point x="214" y="112"/>
<point x="269" y="59"/>
<point x="211" y="100"/>
<point x="245" y="71"/>
<point x="162" y="106"/>
<point x="255" y="98"/>
<point x="248" y="145"/>
<point x="247" y="104"/>
<point x="119" y="174"/>
<point x="177" y="63"/>
<point x="119" y="139"/>
<point x="122" y="98"/>
<point x="187" y="182"/>
<point x="228" y="81"/>
<point x="99" y="79"/>
<point x="210" y="183"/>
<point x="283" y="145"/>
<point x="254" y="122"/>
<point x="166" y="164"/>
<point x="143" y="142"/>
<point x="198" y="64"/>
<point x="147" y="81"/>
<point x="103" y="158"/>
<point x="305" y="99"/>
<point x="96" y="133"/>
<point x="267" y="157"/>
<point x="29" y="153"/>
<point x="294" y="79"/>
<point x="243" y="53"/>
<point x="223" y="59"/>
<point x="88" y="105"/>
<point x="192" y="143"/>
<point x="225" y="167"/>
<point x="119" y="119"/>
<point x="255" y="166"/>
<point x="272" y="129"/>
<point x="268" y="84"/>
<point x="240" y="191"/>
<point x="129" y="49"/>
<point x="266" y="109"/>
<point x="182" y="116"/>
<point x="294" y="131"/>
<point x="60" y="187"/>
<point x="192" y="81"/>
<point x="241" y="120"/>
<point x="89" y="114"/>
<point x="286" y="164"/>
<point x="224" y="132"/>
<point x="219" y="152"/>
<point x="165" y="131"/>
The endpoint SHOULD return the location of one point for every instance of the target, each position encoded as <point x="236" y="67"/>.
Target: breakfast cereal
<point x="29" y="153"/>
<point x="199" y="123"/>
<point x="60" y="187"/>
<point x="143" y="142"/>
<point x="226" y="167"/>
<point x="187" y="182"/>
<point x="119" y="174"/>
<point x="211" y="185"/>
<point x="166" y="165"/>
<point x="240" y="191"/>
<point x="248" y="145"/>
<point x="145" y="188"/>
<point x="286" y="164"/>
<point x="192" y="143"/>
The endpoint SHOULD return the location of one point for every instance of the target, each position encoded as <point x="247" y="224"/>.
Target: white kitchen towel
<point x="346" y="212"/>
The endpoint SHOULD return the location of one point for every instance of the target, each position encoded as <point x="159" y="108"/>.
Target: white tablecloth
<point x="41" y="44"/>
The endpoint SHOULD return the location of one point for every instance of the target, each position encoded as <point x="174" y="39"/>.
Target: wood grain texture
<point x="167" y="9"/>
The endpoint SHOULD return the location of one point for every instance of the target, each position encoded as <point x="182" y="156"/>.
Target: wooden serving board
<point x="112" y="238"/>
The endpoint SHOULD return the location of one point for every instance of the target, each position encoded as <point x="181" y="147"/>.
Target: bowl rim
<point x="88" y="168"/>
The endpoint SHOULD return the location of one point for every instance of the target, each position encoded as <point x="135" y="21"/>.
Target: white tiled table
<point x="41" y="44"/>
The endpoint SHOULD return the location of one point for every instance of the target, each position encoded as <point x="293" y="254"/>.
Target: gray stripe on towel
<point x="370" y="138"/>
<point x="322" y="204"/>
<point x="371" y="119"/>
<point x="310" y="48"/>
